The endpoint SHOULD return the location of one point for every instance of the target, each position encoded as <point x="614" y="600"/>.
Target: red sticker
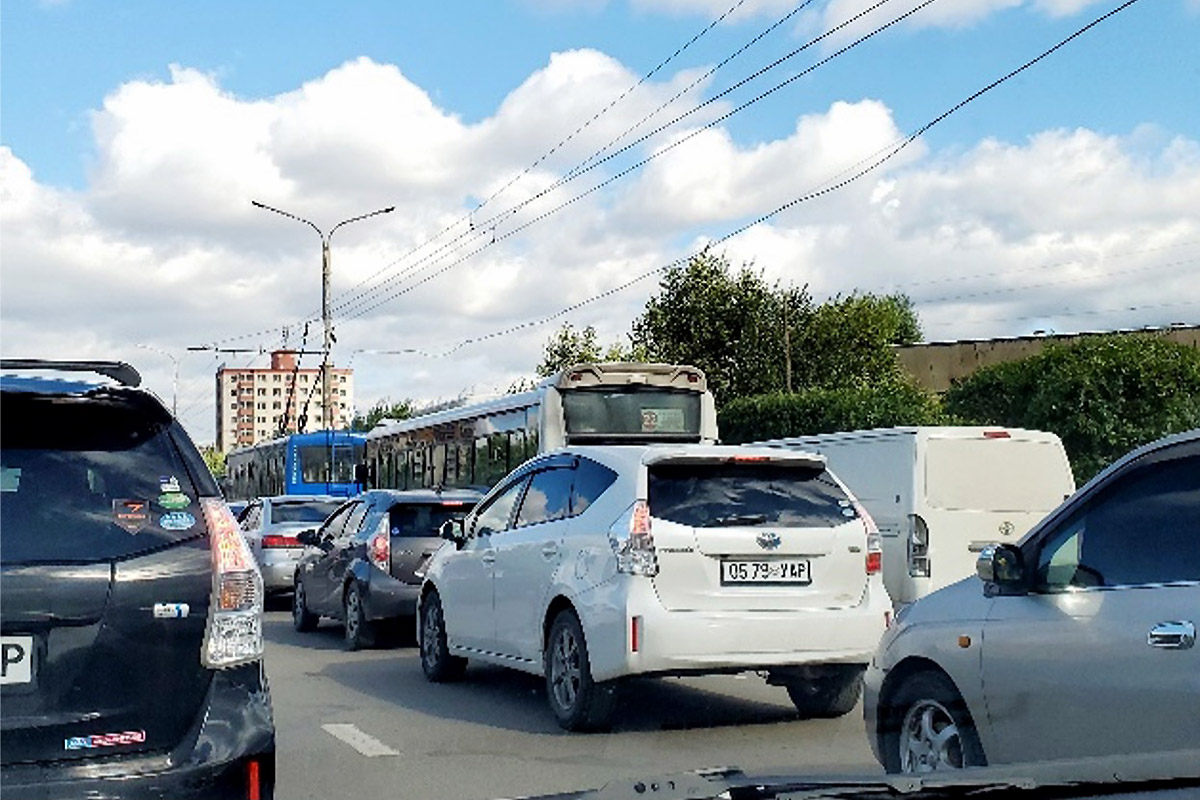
<point x="131" y="515"/>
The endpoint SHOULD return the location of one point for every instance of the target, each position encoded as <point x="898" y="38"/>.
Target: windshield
<point x="631" y="414"/>
<point x="564" y="256"/>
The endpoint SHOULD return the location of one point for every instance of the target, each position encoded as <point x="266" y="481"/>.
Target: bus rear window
<point x="335" y="463"/>
<point x="631" y="414"/>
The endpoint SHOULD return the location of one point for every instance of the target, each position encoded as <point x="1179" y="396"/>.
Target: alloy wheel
<point x="929" y="739"/>
<point x="565" y="672"/>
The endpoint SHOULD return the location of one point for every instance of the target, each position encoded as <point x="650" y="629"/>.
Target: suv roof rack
<point x="119" y="371"/>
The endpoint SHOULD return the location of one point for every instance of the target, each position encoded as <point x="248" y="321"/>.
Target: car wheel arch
<point x="558" y="604"/>
<point x="896" y="677"/>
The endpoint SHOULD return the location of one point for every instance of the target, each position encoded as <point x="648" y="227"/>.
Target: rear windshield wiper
<point x="735" y="519"/>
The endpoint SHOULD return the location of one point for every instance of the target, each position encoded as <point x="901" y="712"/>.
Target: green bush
<point x="1103" y="396"/>
<point x="811" y="411"/>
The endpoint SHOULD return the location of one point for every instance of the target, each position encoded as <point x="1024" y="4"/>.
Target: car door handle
<point x="549" y="550"/>
<point x="1172" y="635"/>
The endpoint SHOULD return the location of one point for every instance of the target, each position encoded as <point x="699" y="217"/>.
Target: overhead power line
<point x="805" y="197"/>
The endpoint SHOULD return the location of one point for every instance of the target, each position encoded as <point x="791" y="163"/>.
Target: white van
<point x="941" y="494"/>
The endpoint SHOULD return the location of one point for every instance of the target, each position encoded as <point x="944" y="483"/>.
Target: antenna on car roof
<point x="119" y="371"/>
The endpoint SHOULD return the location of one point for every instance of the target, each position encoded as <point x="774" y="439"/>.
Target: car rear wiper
<point x="735" y="519"/>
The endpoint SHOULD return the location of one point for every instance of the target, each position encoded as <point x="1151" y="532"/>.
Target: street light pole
<point x="174" y="378"/>
<point x="326" y="269"/>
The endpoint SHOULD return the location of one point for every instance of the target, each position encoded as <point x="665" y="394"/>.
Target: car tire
<point x="303" y="620"/>
<point x="927" y="727"/>
<point x="827" y="696"/>
<point x="436" y="662"/>
<point x="578" y="702"/>
<point x="359" y="631"/>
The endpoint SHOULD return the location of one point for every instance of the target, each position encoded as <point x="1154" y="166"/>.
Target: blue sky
<point x="133" y="137"/>
<point x="60" y="59"/>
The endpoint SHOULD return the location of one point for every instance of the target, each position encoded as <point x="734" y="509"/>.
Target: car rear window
<point x="303" y="511"/>
<point x="714" y="495"/>
<point x="87" y="479"/>
<point x="424" y="519"/>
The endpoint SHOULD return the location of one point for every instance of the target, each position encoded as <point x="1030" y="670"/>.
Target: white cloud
<point x="163" y="248"/>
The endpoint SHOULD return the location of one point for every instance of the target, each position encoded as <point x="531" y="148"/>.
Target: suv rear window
<point x="85" y="479"/>
<point x="424" y="519"/>
<point x="715" y="495"/>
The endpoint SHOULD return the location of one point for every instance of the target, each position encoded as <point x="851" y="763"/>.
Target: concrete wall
<point x="937" y="364"/>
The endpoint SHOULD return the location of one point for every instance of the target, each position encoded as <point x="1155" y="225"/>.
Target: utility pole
<point x="326" y="269"/>
<point x="174" y="378"/>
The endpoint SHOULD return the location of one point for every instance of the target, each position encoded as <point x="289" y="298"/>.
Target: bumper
<point x="278" y="567"/>
<point x="231" y="744"/>
<point x="697" y="642"/>
<point x="872" y="683"/>
<point x="385" y="597"/>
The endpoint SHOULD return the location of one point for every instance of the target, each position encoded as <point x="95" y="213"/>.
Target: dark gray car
<point x="364" y="564"/>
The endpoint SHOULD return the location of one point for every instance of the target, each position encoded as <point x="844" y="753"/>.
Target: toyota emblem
<point x="1006" y="528"/>
<point x="769" y="540"/>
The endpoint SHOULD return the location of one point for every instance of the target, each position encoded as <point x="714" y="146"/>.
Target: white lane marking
<point x="367" y="745"/>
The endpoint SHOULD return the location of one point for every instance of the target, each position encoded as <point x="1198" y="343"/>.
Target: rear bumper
<point x="278" y="567"/>
<point x="385" y="597"/>
<point x="233" y="730"/>
<point x="697" y="642"/>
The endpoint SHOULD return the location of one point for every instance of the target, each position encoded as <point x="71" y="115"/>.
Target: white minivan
<point x="591" y="564"/>
<point x="941" y="494"/>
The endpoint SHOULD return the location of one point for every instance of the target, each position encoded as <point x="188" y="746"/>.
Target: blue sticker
<point x="176" y="521"/>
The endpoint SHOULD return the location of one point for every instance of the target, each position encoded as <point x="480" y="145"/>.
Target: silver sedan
<point x="1078" y="641"/>
<point x="270" y="525"/>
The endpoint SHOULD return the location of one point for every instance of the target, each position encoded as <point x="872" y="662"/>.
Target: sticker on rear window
<point x="176" y="521"/>
<point x="131" y="515"/>
<point x="10" y="479"/>
<point x="662" y="420"/>
<point x="174" y="501"/>
<point x="168" y="483"/>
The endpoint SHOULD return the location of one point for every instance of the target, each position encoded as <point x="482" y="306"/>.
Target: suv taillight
<point x="874" y="561"/>
<point x="635" y="555"/>
<point x="234" y="632"/>
<point x="379" y="550"/>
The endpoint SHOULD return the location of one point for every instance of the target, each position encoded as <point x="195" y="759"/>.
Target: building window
<point x="276" y="404"/>
<point x="276" y="391"/>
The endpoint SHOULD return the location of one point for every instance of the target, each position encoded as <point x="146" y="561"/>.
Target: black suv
<point x="131" y="607"/>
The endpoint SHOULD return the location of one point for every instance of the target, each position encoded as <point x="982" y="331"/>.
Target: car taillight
<point x="379" y="550"/>
<point x="918" y="547"/>
<point x="275" y="540"/>
<point x="635" y="555"/>
<point x="874" y="561"/>
<point x="234" y="631"/>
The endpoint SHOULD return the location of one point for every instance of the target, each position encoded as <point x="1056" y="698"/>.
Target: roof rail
<point x="119" y="371"/>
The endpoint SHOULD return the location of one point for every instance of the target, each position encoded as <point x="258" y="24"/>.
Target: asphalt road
<point x="368" y="725"/>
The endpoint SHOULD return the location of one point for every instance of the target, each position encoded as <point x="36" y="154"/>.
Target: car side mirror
<point x="1001" y="567"/>
<point x="308" y="537"/>
<point x="452" y="530"/>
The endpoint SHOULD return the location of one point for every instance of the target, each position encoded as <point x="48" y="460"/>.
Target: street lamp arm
<point x="387" y="210"/>
<point x="290" y="216"/>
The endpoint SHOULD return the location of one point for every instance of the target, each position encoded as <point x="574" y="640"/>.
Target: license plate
<point x="794" y="570"/>
<point x="16" y="660"/>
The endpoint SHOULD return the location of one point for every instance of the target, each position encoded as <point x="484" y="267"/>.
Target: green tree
<point x="825" y="410"/>
<point x="731" y="324"/>
<point x="215" y="460"/>
<point x="384" y="409"/>
<point x="848" y="341"/>
<point x="1103" y="396"/>
<point x="568" y="346"/>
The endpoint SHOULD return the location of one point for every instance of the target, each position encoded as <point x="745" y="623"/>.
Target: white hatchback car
<point x="589" y="564"/>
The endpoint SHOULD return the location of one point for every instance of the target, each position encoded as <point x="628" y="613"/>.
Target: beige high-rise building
<point x="258" y="404"/>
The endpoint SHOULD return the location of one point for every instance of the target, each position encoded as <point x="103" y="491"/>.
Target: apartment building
<point x="257" y="404"/>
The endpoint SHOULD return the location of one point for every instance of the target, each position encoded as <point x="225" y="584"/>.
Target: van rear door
<point x="992" y="486"/>
<point x="736" y="532"/>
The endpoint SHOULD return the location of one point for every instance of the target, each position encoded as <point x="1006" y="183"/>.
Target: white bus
<point x="477" y="445"/>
